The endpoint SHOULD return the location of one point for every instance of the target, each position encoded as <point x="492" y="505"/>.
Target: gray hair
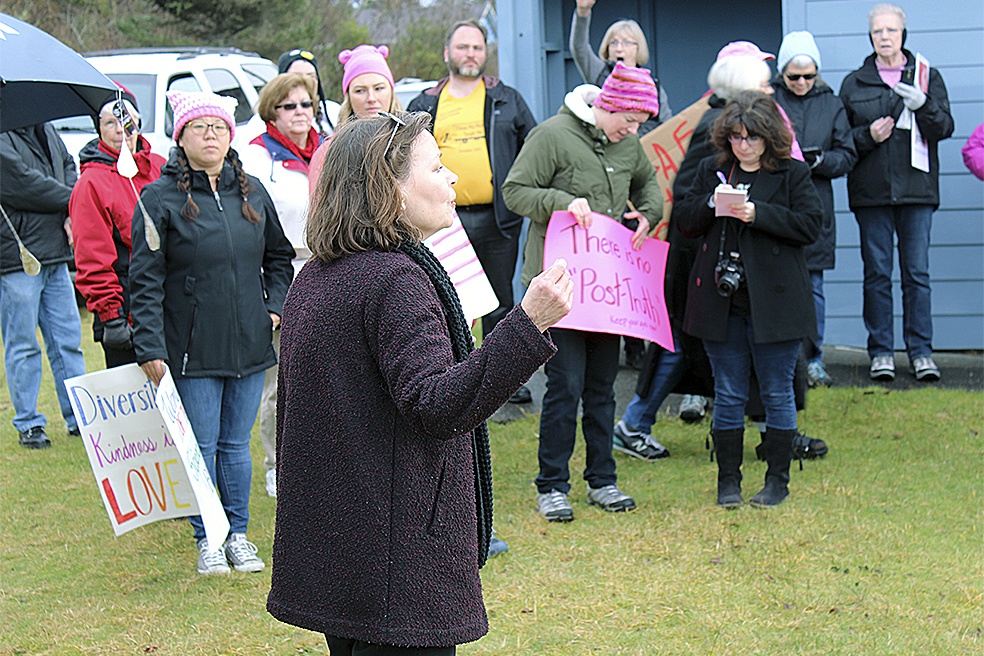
<point x="731" y="75"/>
<point x="886" y="8"/>
<point x="800" y="61"/>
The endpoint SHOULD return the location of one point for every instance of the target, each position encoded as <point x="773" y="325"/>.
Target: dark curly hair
<point x="759" y="114"/>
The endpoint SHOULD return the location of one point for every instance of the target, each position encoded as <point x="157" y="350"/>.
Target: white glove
<point x="912" y="97"/>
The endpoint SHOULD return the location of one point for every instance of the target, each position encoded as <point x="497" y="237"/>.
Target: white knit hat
<point x="795" y="44"/>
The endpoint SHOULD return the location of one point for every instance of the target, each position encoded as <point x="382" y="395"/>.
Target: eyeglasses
<point x="616" y="43"/>
<point x="307" y="104"/>
<point x="397" y="124"/>
<point x="751" y="140"/>
<point x="794" y="77"/>
<point x="218" y="129"/>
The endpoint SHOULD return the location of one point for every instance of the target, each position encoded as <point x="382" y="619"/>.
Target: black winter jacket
<point x="507" y="122"/>
<point x="788" y="215"/>
<point x="36" y="180"/>
<point x="820" y="121"/>
<point x="884" y="175"/>
<point x="202" y="301"/>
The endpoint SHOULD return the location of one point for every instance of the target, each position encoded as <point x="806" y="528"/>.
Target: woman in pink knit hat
<point x="585" y="159"/>
<point x="208" y="277"/>
<point x="367" y="83"/>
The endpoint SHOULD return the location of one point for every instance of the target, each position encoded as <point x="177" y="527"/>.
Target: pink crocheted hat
<point x="364" y="59"/>
<point x="628" y="89"/>
<point x="743" y="48"/>
<point x="189" y="105"/>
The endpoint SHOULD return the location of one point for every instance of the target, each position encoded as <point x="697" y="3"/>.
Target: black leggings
<point x="347" y="647"/>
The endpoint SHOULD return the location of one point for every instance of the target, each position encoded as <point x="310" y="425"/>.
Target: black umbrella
<point x="42" y="79"/>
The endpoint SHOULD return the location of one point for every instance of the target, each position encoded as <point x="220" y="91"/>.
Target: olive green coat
<point x="567" y="157"/>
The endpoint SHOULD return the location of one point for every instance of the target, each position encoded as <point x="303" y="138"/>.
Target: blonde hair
<point x="631" y="28"/>
<point x="277" y="89"/>
<point x="345" y="109"/>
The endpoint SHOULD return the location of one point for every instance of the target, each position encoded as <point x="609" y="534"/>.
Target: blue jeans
<point x="732" y="361"/>
<point x="640" y="414"/>
<point x="583" y="370"/>
<point x="879" y="226"/>
<point x="813" y="346"/>
<point x="27" y="303"/>
<point x="222" y="412"/>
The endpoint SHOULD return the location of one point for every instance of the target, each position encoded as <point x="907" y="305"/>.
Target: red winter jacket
<point x="101" y="208"/>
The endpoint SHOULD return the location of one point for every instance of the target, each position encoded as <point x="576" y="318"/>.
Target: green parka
<point x="567" y="157"/>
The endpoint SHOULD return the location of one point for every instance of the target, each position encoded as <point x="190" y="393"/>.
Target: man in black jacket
<point x="36" y="179"/>
<point x="480" y="125"/>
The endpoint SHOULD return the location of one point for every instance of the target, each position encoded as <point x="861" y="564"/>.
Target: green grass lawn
<point x="878" y="550"/>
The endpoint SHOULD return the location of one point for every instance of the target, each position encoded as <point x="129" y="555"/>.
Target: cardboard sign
<point x="142" y="472"/>
<point x="617" y="289"/>
<point x="454" y="250"/>
<point x="666" y="147"/>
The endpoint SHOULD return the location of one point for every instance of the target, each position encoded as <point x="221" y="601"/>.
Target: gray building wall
<point x="684" y="38"/>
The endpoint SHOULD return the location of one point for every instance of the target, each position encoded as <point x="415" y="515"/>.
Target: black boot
<point x="778" y="454"/>
<point x="728" y="446"/>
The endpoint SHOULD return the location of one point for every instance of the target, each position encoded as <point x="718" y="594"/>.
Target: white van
<point x="149" y="73"/>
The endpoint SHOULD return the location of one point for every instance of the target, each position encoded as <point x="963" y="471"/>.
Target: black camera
<point x="728" y="274"/>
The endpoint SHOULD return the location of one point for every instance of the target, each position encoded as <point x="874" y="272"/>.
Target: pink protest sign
<point x="617" y="289"/>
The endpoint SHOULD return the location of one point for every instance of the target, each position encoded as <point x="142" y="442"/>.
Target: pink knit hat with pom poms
<point x="364" y="59"/>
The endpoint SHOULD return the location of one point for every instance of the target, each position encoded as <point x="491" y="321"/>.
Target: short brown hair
<point x="466" y="23"/>
<point x="358" y="203"/>
<point x="760" y="115"/>
<point x="277" y="89"/>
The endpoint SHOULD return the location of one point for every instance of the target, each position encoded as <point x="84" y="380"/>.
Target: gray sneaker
<point x="925" y="370"/>
<point x="211" y="561"/>
<point x="882" y="368"/>
<point x="693" y="407"/>
<point x="610" y="498"/>
<point x="242" y="554"/>
<point x="554" y="506"/>
<point x="637" y="444"/>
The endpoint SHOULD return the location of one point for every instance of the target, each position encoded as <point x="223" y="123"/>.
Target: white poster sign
<point x="455" y="252"/>
<point x="143" y="473"/>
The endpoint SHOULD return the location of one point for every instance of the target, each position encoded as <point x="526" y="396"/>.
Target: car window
<point x="225" y="83"/>
<point x="182" y="82"/>
<point x="259" y="73"/>
<point x="144" y="89"/>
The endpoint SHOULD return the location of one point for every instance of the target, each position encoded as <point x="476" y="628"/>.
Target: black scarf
<point x="461" y="345"/>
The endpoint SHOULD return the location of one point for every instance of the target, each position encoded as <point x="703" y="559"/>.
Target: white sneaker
<point x="211" y="561"/>
<point x="242" y="554"/>
<point x="271" y="483"/>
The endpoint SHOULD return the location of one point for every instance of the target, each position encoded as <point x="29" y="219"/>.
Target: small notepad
<point x="725" y="196"/>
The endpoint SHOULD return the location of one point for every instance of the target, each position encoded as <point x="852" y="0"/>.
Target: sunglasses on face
<point x="307" y="104"/>
<point x="794" y="77"/>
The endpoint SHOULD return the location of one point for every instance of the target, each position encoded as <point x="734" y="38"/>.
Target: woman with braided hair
<point x="384" y="505"/>
<point x="208" y="279"/>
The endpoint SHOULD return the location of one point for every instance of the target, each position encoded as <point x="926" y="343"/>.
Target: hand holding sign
<point x="618" y="289"/>
<point x="549" y="297"/>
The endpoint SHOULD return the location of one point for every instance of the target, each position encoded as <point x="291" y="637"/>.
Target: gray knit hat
<point x="795" y="44"/>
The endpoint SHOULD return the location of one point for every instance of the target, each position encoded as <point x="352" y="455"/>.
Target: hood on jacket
<point x="98" y="151"/>
<point x="579" y="102"/>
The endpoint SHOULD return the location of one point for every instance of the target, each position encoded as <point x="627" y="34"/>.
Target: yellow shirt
<point x="459" y="128"/>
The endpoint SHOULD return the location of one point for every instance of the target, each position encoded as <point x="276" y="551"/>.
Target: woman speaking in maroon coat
<point x="384" y="505"/>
